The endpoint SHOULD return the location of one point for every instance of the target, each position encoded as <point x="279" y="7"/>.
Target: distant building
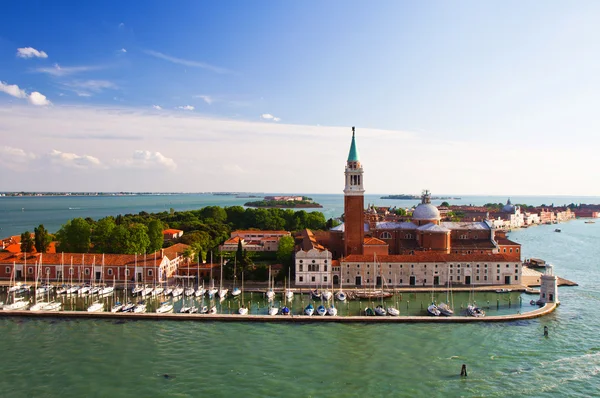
<point x="86" y="267"/>
<point x="172" y="234"/>
<point x="254" y="240"/>
<point x="285" y="198"/>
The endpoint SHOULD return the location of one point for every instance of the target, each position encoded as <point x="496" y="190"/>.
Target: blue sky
<point x="453" y="97"/>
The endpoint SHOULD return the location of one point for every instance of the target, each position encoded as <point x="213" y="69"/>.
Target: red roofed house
<point x="254" y="240"/>
<point x="172" y="234"/>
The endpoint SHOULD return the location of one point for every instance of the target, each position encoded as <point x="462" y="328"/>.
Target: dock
<point x="546" y="309"/>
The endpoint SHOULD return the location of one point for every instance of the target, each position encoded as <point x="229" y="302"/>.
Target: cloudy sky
<point x="464" y="98"/>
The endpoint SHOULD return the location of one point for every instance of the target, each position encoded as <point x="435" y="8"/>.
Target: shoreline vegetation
<point x="417" y="197"/>
<point x="305" y="203"/>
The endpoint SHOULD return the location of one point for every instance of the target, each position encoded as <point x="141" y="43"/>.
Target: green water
<point x="70" y="358"/>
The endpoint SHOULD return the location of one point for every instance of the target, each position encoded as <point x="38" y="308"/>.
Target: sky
<point x="469" y="97"/>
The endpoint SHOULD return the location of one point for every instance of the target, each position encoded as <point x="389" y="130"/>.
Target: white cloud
<point x="186" y="108"/>
<point x="268" y="116"/>
<point x="85" y="88"/>
<point x="38" y="99"/>
<point x="123" y="50"/>
<point x="73" y="160"/>
<point x="83" y="94"/>
<point x="30" y="52"/>
<point x="206" y="98"/>
<point x="15" y="159"/>
<point x="35" y="98"/>
<point x="12" y="89"/>
<point x="121" y="25"/>
<point x="58" y="70"/>
<point x="181" y="61"/>
<point x="157" y="107"/>
<point x="148" y="159"/>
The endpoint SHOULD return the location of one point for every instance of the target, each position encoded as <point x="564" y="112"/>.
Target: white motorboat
<point x="39" y="306"/>
<point x="43" y="290"/>
<point x="137" y="289"/>
<point x="106" y="291"/>
<point x="19" y="304"/>
<point x="321" y="310"/>
<point x="177" y="291"/>
<point x="52" y="306"/>
<point x="157" y="291"/>
<point x="147" y="291"/>
<point x="433" y="310"/>
<point x="140" y="308"/>
<point x="223" y="294"/>
<point x="95" y="290"/>
<point x="200" y="291"/>
<point x="380" y="311"/>
<point x="203" y="310"/>
<point x="326" y="294"/>
<point x="73" y="290"/>
<point x="273" y="310"/>
<point x="504" y="290"/>
<point x="236" y="291"/>
<point x="445" y="309"/>
<point x="128" y="307"/>
<point x="340" y="296"/>
<point x="96" y="307"/>
<point x="289" y="294"/>
<point x="393" y="311"/>
<point x="165" y="308"/>
<point x="168" y="291"/>
<point x="189" y="291"/>
<point x="118" y="307"/>
<point x="84" y="290"/>
<point x="475" y="311"/>
<point x="243" y="311"/>
<point x="213" y="310"/>
<point x="212" y="291"/>
<point x="309" y="310"/>
<point x="332" y="311"/>
<point x="62" y="290"/>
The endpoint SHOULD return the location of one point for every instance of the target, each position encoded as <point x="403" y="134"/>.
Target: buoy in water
<point x="545" y="331"/>
<point x="463" y="371"/>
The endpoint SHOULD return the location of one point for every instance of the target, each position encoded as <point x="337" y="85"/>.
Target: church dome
<point x="426" y="211"/>
<point x="508" y="207"/>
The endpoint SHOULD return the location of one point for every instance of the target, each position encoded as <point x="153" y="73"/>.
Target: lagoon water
<point x="74" y="358"/>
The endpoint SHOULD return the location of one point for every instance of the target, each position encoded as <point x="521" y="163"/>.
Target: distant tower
<point x="354" y="203"/>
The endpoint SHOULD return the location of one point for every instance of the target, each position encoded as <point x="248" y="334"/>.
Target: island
<point x="284" y="202"/>
<point x="417" y="197"/>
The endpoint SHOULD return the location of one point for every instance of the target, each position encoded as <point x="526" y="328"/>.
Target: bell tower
<point x="354" y="203"/>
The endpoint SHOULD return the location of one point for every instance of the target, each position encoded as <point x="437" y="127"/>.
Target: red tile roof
<point x="374" y="242"/>
<point x="506" y="242"/>
<point x="171" y="231"/>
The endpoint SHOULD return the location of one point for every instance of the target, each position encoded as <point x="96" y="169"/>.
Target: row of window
<point x="425" y="266"/>
<point x="313" y="261"/>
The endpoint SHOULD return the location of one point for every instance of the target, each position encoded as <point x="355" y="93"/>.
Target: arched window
<point x="47" y="270"/>
<point x="301" y="268"/>
<point x="385" y="235"/>
<point x="87" y="271"/>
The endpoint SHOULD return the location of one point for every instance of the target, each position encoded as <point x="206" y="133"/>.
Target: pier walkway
<point x="546" y="309"/>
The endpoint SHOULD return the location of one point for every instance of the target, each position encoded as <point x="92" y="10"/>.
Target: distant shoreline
<point x="417" y="197"/>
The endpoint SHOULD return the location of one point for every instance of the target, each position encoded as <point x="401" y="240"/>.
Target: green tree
<point x="102" y="234"/>
<point x="138" y="239"/>
<point x="74" y="236"/>
<point x="119" y="240"/>
<point x="155" y="235"/>
<point x="285" y="255"/>
<point x="401" y="212"/>
<point x="445" y="204"/>
<point x="42" y="239"/>
<point x="27" y="243"/>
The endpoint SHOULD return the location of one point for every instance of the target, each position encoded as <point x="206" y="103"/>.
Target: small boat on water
<point x="321" y="310"/>
<point x="128" y="307"/>
<point x="433" y="310"/>
<point x="203" y="310"/>
<point x="369" y="311"/>
<point x="117" y="307"/>
<point x="289" y="294"/>
<point x="168" y="291"/>
<point x="309" y="310"/>
<point x="213" y="310"/>
<point x="475" y="311"/>
<point x="106" y="291"/>
<point x="380" y="311"/>
<point x="315" y="294"/>
<point x="340" y="296"/>
<point x="19" y="288"/>
<point x="158" y="290"/>
<point x="177" y="291"/>
<point x="331" y="310"/>
<point x="18" y="304"/>
<point x="236" y="291"/>
<point x="326" y="294"/>
<point x="445" y="309"/>
<point x="140" y="308"/>
<point x="393" y="311"/>
<point x="590" y="222"/>
<point x="137" y="289"/>
<point x="242" y="310"/>
<point x="189" y="291"/>
<point x="273" y="310"/>
<point x="504" y="290"/>
<point x="200" y="291"/>
<point x="96" y="307"/>
<point x="285" y="311"/>
<point x="147" y="291"/>
<point x="52" y="306"/>
<point x="62" y="290"/>
<point x="557" y="230"/>
<point x="164" y="308"/>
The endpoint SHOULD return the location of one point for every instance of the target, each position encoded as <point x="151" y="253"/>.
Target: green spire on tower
<point x="353" y="155"/>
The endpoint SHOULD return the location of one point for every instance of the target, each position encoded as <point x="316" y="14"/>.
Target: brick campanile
<point x="354" y="203"/>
